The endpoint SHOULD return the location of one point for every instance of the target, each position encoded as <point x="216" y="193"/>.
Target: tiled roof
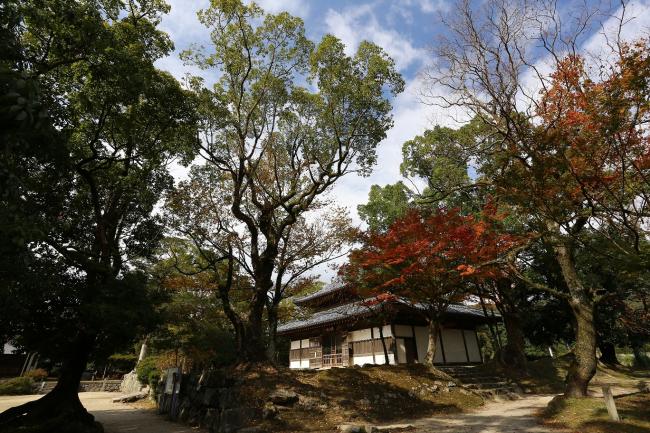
<point x="332" y="287"/>
<point x="359" y="309"/>
<point x="333" y="315"/>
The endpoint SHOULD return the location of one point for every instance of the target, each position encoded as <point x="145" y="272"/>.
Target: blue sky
<point x="406" y="29"/>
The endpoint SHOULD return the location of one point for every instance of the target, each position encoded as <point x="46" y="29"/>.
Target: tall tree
<point x="568" y="152"/>
<point x="199" y="211"/>
<point x="114" y="122"/>
<point x="278" y="145"/>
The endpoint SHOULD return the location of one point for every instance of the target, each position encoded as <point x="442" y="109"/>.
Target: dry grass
<point x="546" y="375"/>
<point x="374" y="394"/>
<point x="589" y="415"/>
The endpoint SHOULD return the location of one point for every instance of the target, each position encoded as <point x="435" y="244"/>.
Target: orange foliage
<point x="594" y="134"/>
<point x="425" y="257"/>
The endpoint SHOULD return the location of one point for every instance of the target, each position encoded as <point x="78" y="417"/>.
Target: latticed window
<point x="368" y="347"/>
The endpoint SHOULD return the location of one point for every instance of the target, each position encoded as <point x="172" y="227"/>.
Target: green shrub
<point x="148" y="371"/>
<point x="17" y="386"/>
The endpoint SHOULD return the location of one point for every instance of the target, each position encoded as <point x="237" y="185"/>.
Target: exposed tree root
<point x="52" y="413"/>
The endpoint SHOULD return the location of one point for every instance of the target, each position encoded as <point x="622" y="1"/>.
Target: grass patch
<point x="589" y="415"/>
<point x="17" y="386"/>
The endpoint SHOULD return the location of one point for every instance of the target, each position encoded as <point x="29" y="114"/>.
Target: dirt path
<point x="116" y="417"/>
<point x="509" y="416"/>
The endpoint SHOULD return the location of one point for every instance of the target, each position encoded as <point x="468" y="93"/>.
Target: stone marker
<point x="610" y="403"/>
<point x="129" y="398"/>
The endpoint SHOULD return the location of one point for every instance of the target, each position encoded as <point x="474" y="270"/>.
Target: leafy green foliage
<point x="92" y="126"/>
<point x="385" y="205"/>
<point x="148" y="371"/>
<point x="17" y="386"/>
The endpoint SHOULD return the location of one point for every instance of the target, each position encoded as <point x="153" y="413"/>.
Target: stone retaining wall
<point x="208" y="401"/>
<point x="84" y="386"/>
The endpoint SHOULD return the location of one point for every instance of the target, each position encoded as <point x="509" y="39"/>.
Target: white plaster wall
<point x="386" y="330"/>
<point x="472" y="346"/>
<point x="295" y="344"/>
<point x="403" y="331"/>
<point x="368" y="359"/>
<point x="304" y="363"/>
<point x="367" y="333"/>
<point x="294" y="364"/>
<point x="454" y="347"/>
<point x="305" y="343"/>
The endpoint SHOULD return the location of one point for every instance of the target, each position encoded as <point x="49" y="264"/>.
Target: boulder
<point x="210" y="417"/>
<point x="235" y="419"/>
<point x="269" y="411"/>
<point x="211" y="397"/>
<point x="226" y="398"/>
<point x="352" y="428"/>
<point x="284" y="397"/>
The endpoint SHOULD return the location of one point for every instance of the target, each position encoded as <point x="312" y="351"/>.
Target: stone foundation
<point x="208" y="401"/>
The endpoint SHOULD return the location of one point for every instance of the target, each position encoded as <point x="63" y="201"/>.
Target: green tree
<point x="113" y="122"/>
<point x="277" y="145"/>
<point x="198" y="210"/>
<point x="441" y="157"/>
<point x="192" y="321"/>
<point x="385" y="205"/>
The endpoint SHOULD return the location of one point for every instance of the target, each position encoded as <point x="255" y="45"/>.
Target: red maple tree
<point x="429" y="259"/>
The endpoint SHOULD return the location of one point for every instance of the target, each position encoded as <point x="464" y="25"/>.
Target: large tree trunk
<point x="272" y="312"/>
<point x="60" y="410"/>
<point x="640" y="358"/>
<point x="253" y="344"/>
<point x="583" y="366"/>
<point x="608" y="353"/>
<point x="513" y="353"/>
<point x="434" y="330"/>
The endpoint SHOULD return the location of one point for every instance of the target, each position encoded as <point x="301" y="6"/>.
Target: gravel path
<point x="116" y="417"/>
<point x="508" y="416"/>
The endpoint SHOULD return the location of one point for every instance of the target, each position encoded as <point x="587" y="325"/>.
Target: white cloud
<point x="294" y="7"/>
<point x="182" y="23"/>
<point x="355" y="24"/>
<point x="431" y="6"/>
<point x="636" y="25"/>
<point x="411" y="118"/>
<point x="595" y="48"/>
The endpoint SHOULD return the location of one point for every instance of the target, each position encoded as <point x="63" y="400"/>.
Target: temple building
<point x="345" y="331"/>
